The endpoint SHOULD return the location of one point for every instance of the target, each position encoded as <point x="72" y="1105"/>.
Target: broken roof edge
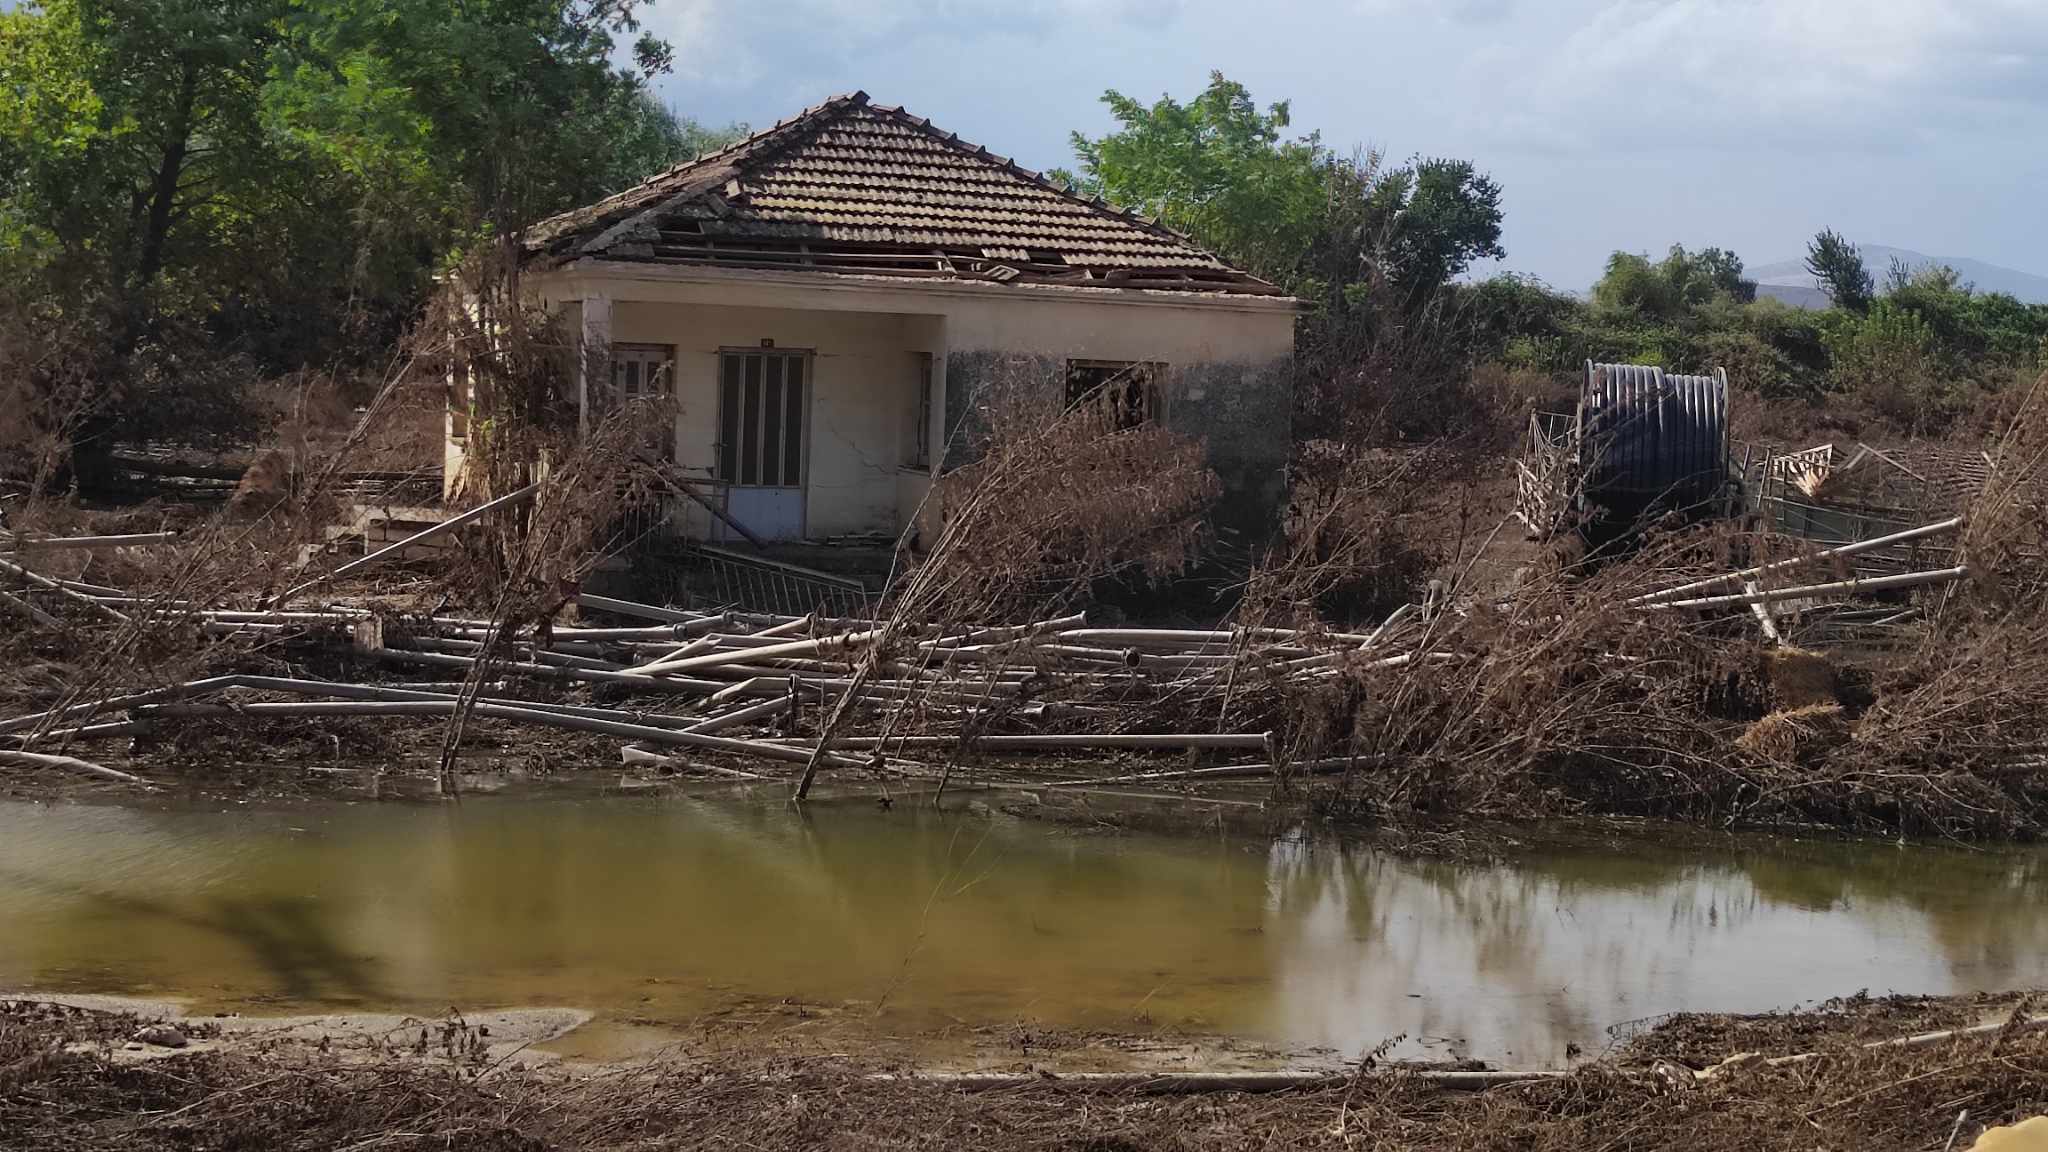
<point x="594" y="266"/>
<point x="628" y="201"/>
<point x="760" y="146"/>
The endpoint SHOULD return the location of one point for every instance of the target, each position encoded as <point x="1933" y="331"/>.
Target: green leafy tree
<point x="1673" y="288"/>
<point x="1322" y="225"/>
<point x="498" y="112"/>
<point x="1838" y="265"/>
<point x="163" y="140"/>
<point x="1436" y="218"/>
<point x="1216" y="167"/>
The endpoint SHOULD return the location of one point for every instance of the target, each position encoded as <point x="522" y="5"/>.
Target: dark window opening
<point x="917" y="434"/>
<point x="1128" y="393"/>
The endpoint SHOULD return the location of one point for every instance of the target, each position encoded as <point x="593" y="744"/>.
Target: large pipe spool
<point x="1648" y="438"/>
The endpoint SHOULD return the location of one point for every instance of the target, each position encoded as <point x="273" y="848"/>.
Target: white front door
<point x="763" y="440"/>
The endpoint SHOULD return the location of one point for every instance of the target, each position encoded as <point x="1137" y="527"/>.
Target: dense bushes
<point x="200" y="194"/>
<point x="1926" y="352"/>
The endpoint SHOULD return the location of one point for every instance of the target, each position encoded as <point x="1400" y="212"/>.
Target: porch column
<point x="594" y="339"/>
<point x="935" y="421"/>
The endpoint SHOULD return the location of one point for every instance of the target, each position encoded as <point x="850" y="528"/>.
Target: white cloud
<point x="1809" y="74"/>
<point x="1611" y="123"/>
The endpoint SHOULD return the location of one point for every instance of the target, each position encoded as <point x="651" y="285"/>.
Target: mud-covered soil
<point x="70" y="1079"/>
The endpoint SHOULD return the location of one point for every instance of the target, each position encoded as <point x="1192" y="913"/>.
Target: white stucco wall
<point x="861" y="388"/>
<point x="862" y="332"/>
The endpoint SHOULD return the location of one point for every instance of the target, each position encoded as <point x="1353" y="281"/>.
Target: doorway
<point x="763" y="440"/>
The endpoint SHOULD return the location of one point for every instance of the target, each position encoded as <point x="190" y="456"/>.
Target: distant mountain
<point x="1795" y="295"/>
<point x="1788" y="280"/>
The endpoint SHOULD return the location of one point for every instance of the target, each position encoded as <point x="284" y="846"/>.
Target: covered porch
<point x="795" y="424"/>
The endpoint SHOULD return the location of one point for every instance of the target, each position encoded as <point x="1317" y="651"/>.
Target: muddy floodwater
<point x="660" y="914"/>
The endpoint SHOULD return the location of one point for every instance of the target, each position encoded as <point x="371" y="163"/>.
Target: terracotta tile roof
<point x="853" y="187"/>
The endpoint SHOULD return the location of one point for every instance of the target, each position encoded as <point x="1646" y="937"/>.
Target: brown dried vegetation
<point x="61" y="1089"/>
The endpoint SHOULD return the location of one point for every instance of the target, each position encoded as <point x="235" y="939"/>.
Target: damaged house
<point x="825" y="300"/>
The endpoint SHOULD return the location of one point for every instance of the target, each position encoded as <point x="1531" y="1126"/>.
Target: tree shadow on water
<point x="290" y="939"/>
<point x="287" y="936"/>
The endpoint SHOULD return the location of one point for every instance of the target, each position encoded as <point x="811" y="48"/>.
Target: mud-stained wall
<point x="1240" y="411"/>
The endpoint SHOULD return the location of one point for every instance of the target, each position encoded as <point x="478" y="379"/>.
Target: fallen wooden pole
<point x="71" y="764"/>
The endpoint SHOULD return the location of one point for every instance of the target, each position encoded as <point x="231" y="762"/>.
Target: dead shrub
<point x="1363" y="532"/>
<point x="1791" y="735"/>
<point x="1060" y="496"/>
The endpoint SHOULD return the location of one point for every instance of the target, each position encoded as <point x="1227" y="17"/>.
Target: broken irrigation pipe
<point x="827" y="644"/>
<point x="772" y="706"/>
<point x="1257" y="741"/>
<point x="116" y="703"/>
<point x="90" y="732"/>
<point x="651" y="611"/>
<point x="397" y="692"/>
<point x="1860" y="546"/>
<point x="1923" y="1039"/>
<point x="632" y="755"/>
<point x="54" y="586"/>
<point x="23" y="544"/>
<point x="1188" y="1083"/>
<point x="445" y="526"/>
<point x="642" y="732"/>
<point x="36" y="615"/>
<point x="548" y="671"/>
<point x="70" y="763"/>
<point x="1870" y="584"/>
<point x="1220" y="772"/>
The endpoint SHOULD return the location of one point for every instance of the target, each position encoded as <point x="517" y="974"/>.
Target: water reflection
<point x="670" y="910"/>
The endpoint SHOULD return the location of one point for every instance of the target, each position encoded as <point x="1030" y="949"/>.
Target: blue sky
<point x="1629" y="124"/>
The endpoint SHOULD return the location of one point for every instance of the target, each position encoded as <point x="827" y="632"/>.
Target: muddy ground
<point x="69" y="1079"/>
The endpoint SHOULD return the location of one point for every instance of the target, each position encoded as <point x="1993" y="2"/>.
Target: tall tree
<point x="166" y="132"/>
<point x="1223" y="170"/>
<point x="501" y="110"/>
<point x="1430" y="221"/>
<point x="1838" y="265"/>
<point x="1216" y="167"/>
